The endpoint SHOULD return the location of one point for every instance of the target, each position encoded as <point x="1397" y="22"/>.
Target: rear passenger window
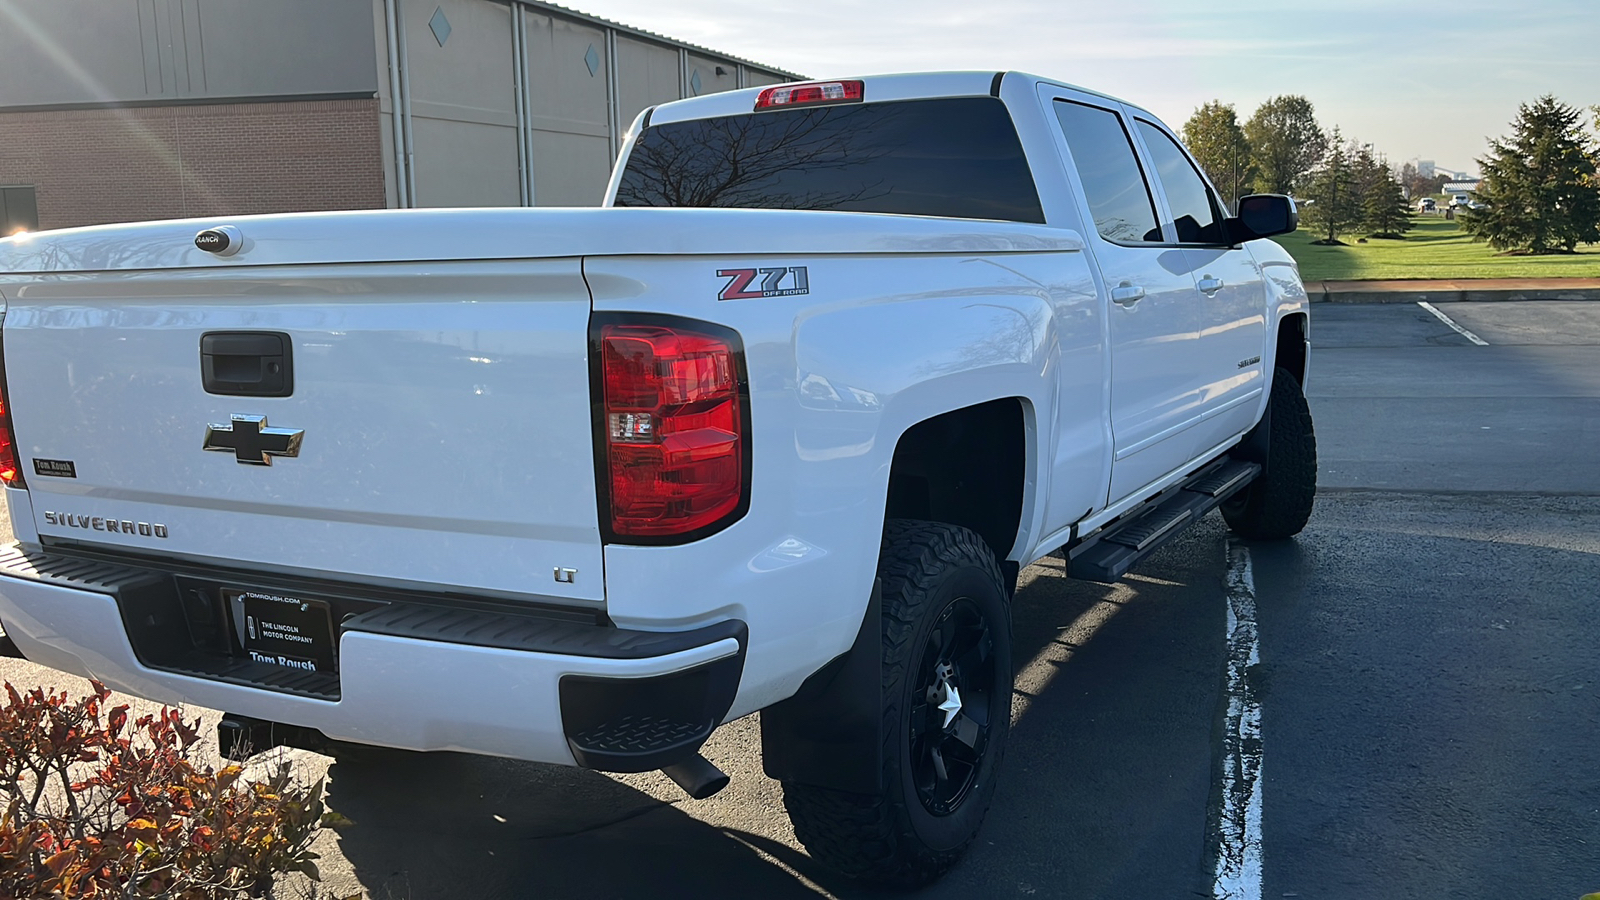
<point x="1193" y="212"/>
<point x="956" y="156"/>
<point x="1119" y="199"/>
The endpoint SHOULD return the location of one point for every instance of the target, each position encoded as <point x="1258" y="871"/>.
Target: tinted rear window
<point x="956" y="157"/>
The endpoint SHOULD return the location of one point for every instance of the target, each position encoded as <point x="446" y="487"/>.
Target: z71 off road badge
<point x="772" y="280"/>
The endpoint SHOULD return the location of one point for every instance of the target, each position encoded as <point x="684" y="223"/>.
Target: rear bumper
<point x="417" y="676"/>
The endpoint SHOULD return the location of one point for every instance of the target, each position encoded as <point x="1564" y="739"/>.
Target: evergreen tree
<point x="1385" y="211"/>
<point x="1335" y="205"/>
<point x="1381" y="200"/>
<point x="1539" y="184"/>
<point x="1216" y="140"/>
<point x="1286" y="143"/>
<point x="1365" y="171"/>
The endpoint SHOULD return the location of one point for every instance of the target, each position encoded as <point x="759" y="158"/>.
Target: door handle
<point x="247" y="363"/>
<point x="1209" y="285"/>
<point x="1126" y="294"/>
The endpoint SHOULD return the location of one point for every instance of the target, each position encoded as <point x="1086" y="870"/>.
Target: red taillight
<point x="10" y="465"/>
<point x="672" y="428"/>
<point x="10" y="470"/>
<point x="811" y="94"/>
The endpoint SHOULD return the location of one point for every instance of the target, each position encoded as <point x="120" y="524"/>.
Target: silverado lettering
<point x="96" y="523"/>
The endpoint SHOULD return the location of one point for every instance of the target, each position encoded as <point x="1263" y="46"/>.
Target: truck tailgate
<point x="443" y="413"/>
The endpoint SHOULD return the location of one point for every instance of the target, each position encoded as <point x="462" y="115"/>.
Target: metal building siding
<point x="759" y="78"/>
<point x="585" y="80"/>
<point x="710" y="82"/>
<point x="647" y="75"/>
<point x="568" y="110"/>
<point x="458" y="122"/>
<point x="90" y="51"/>
<point x="463" y="103"/>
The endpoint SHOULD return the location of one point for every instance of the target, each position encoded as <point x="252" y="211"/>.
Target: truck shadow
<point x="1104" y="792"/>
<point x="451" y="825"/>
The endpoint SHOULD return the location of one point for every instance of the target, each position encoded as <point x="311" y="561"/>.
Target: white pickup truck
<point x="774" y="430"/>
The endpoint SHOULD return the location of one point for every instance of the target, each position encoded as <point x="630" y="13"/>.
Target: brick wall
<point x="91" y="166"/>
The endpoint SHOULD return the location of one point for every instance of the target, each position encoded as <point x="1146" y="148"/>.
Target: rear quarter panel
<point x="879" y="344"/>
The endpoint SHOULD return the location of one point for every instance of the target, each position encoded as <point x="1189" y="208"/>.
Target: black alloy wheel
<point x="946" y="693"/>
<point x="949" y="727"/>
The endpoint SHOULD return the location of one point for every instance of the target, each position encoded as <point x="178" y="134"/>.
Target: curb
<point x="1318" y="293"/>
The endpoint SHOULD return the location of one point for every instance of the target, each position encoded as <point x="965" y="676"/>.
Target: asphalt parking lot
<point x="1427" y="690"/>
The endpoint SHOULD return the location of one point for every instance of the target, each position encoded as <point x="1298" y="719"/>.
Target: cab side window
<point x="1119" y="199"/>
<point x="1194" y="212"/>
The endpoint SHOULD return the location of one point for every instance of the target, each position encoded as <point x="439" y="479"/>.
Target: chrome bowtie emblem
<point x="251" y="441"/>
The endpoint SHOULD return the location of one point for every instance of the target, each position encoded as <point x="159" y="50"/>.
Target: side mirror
<point x="1263" y="215"/>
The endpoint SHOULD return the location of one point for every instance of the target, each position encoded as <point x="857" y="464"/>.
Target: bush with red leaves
<point x="98" y="805"/>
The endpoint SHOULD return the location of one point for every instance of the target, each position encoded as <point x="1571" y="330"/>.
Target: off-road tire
<point x="1278" y="504"/>
<point x="891" y="837"/>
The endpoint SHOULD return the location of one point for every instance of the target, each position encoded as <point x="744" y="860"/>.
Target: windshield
<point x="954" y="157"/>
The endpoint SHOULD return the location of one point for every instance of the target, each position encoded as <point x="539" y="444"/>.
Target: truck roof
<point x="878" y="88"/>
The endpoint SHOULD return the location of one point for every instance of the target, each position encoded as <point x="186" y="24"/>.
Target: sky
<point x="1431" y="81"/>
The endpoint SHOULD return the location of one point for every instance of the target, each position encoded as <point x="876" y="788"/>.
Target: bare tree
<point x="743" y="161"/>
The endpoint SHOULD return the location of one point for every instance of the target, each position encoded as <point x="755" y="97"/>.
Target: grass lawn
<point x="1434" y="248"/>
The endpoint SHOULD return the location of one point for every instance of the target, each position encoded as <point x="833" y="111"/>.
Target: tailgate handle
<point x="247" y="363"/>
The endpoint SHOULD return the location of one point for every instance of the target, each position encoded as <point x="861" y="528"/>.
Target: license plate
<point x="290" y="632"/>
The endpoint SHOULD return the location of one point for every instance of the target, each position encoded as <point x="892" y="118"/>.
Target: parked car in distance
<point x="1460" y="201"/>
<point x="1427" y="205"/>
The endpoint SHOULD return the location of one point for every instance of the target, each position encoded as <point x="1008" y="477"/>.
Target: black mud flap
<point x="8" y="647"/>
<point x="1253" y="447"/>
<point x="830" y="733"/>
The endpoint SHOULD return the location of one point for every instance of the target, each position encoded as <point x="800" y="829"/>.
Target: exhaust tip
<point x="697" y="776"/>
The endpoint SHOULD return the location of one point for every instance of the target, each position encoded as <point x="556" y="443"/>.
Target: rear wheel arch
<point x="967" y="467"/>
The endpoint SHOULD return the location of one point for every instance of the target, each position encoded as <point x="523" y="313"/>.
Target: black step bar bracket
<point x="1108" y="554"/>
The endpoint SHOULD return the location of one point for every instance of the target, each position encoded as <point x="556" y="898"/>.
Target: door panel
<point x="1230" y="307"/>
<point x="1153" y="315"/>
<point x="1232" y="328"/>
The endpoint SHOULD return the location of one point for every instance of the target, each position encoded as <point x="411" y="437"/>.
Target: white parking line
<point x="1238" y="872"/>
<point x="1452" y="323"/>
